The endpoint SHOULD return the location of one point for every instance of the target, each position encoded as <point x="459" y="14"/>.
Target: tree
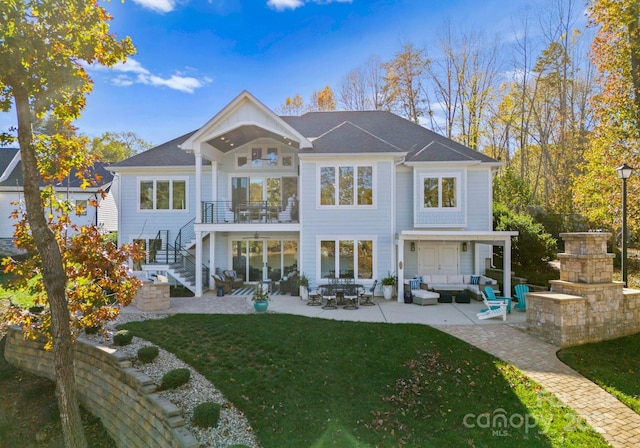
<point x="405" y="74"/>
<point x="43" y="46"/>
<point x="117" y="146"/>
<point x="322" y="100"/>
<point x="364" y="87"/>
<point x="292" y="106"/>
<point x="615" y="51"/>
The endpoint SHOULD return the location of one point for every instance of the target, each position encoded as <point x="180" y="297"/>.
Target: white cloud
<point x="281" y="5"/>
<point x="178" y="81"/>
<point x="185" y="84"/>
<point x="157" y="5"/>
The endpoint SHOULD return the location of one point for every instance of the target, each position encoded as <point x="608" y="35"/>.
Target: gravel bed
<point x="232" y="427"/>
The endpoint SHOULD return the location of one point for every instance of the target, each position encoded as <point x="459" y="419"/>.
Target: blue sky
<point x="195" y="56"/>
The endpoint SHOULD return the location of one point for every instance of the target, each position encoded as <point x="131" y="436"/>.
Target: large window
<point x="346" y="185"/>
<point x="346" y="259"/>
<point x="440" y="192"/>
<point x="163" y="194"/>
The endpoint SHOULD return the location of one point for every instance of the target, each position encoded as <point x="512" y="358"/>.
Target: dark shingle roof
<point x="166" y="154"/>
<point x="393" y="129"/>
<point x="15" y="178"/>
<point x="347" y="138"/>
<point x="340" y="132"/>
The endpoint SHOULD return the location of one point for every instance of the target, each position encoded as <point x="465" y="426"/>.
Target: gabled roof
<point x="334" y="132"/>
<point x="12" y="176"/>
<point x="393" y="129"/>
<point x="166" y="154"/>
<point x="347" y="138"/>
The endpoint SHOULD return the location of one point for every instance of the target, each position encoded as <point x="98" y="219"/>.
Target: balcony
<point x="256" y="212"/>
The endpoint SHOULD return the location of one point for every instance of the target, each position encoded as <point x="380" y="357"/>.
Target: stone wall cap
<point x="582" y="234"/>
<point x="556" y="296"/>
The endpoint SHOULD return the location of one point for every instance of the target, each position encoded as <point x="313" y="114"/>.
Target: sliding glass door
<point x="262" y="259"/>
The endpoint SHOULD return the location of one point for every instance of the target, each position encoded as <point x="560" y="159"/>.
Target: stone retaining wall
<point x="124" y="398"/>
<point x="152" y="297"/>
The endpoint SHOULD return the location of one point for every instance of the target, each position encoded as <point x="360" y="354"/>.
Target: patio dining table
<point x="339" y="289"/>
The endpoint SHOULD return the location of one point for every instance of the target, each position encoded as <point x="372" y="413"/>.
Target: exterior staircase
<point x="176" y="260"/>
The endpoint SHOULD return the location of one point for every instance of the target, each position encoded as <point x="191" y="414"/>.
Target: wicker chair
<point x="231" y="276"/>
<point x="222" y="282"/>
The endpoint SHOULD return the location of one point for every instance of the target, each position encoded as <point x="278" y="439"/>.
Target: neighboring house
<point x="11" y="190"/>
<point x="348" y="194"/>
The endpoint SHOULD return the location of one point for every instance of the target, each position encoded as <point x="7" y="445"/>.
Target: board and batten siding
<point x="350" y="223"/>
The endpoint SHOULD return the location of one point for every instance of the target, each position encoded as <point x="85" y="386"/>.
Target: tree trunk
<point x="54" y="279"/>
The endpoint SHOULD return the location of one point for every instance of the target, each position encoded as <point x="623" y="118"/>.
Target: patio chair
<point x="237" y="281"/>
<point x="226" y="285"/>
<point x="285" y="215"/>
<point x="491" y="296"/>
<point x="351" y="297"/>
<point x="521" y="295"/>
<point x="493" y="309"/>
<point x="367" y="296"/>
<point x="315" y="297"/>
<point x="331" y="299"/>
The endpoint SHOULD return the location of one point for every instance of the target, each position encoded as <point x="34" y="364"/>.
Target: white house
<point x="350" y="194"/>
<point x="11" y="191"/>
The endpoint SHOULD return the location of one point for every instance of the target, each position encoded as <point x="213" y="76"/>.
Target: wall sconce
<point x="413" y="246"/>
<point x="464" y="246"/>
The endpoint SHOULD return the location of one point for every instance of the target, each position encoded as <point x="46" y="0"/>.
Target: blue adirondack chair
<point x="521" y="295"/>
<point x="491" y="295"/>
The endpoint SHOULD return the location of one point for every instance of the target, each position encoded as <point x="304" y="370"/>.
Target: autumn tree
<point x="292" y="106"/>
<point x="116" y="146"/>
<point x="404" y="81"/>
<point x="44" y="48"/>
<point x="322" y="100"/>
<point x="615" y="51"/>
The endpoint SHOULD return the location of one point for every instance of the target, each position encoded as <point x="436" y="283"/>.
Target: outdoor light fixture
<point x="624" y="172"/>
<point x="413" y="246"/>
<point x="464" y="246"/>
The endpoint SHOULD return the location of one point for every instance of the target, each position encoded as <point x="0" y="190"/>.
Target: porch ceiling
<point x="242" y="135"/>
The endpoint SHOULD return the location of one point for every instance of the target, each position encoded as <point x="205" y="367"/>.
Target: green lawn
<point x="613" y="365"/>
<point x="306" y="382"/>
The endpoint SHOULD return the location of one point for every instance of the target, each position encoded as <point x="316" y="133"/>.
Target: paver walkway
<point x="619" y="425"/>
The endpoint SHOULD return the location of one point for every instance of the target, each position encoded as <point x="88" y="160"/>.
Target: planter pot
<point x="304" y="293"/>
<point x="261" y="307"/>
<point x="387" y="291"/>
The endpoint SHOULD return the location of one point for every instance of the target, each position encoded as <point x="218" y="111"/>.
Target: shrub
<point x="122" y="337"/>
<point x="93" y="329"/>
<point x="175" y="378"/>
<point x="147" y="353"/>
<point x="206" y="415"/>
<point x="533" y="247"/>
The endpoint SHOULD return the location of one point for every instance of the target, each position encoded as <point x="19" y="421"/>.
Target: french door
<point x="262" y="259"/>
<point x="434" y="258"/>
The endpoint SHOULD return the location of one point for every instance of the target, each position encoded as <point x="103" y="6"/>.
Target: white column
<point x="212" y="259"/>
<point x="198" y="264"/>
<point x="401" y="270"/>
<point x="476" y="258"/>
<point x="214" y="181"/>
<point x="198" y="188"/>
<point x="506" y="267"/>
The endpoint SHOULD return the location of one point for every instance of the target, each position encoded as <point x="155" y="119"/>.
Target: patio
<point x="389" y="311"/>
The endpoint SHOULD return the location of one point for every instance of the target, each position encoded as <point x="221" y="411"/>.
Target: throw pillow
<point x="475" y="279"/>
<point x="414" y="284"/>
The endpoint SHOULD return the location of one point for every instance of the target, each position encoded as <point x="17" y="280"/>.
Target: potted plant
<point x="260" y="298"/>
<point x="303" y="284"/>
<point x="388" y="284"/>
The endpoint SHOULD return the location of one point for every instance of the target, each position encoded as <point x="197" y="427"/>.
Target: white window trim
<point x="355" y="167"/>
<point x="355" y="239"/>
<point x="439" y="176"/>
<point x="171" y="179"/>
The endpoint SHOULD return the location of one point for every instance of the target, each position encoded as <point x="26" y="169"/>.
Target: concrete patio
<point x="389" y="311"/>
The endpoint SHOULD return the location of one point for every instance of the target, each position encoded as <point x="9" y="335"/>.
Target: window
<point x="241" y="162"/>
<point x="287" y="161"/>
<point x="440" y="192"/>
<point x="354" y="185"/>
<point x="81" y="207"/>
<point x="256" y="157"/>
<point x="346" y="259"/>
<point x="272" y="156"/>
<point x="163" y="194"/>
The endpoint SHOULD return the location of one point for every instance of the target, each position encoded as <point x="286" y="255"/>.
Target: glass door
<point x="265" y="259"/>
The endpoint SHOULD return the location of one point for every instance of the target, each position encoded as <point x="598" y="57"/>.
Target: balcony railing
<point x="258" y="212"/>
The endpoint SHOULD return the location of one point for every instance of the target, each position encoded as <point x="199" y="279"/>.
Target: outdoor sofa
<point x="473" y="284"/>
